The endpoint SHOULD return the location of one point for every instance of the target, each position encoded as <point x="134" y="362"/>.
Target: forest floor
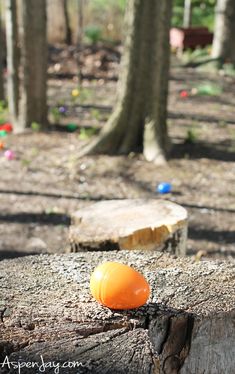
<point x="46" y="181"/>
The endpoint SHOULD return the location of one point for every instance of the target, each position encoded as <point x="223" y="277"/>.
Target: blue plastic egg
<point x="164" y="187"/>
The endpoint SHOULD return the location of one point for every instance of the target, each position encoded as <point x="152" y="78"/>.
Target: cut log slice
<point x="130" y="224"/>
<point x="48" y="315"/>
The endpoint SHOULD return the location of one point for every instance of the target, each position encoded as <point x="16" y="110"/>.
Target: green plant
<point x="56" y="115"/>
<point x="191" y="136"/>
<point x="3" y="111"/>
<point x="25" y="162"/>
<point x="93" y="33"/>
<point x="208" y="89"/>
<point x="35" y="126"/>
<point x="87" y="133"/>
<point x="95" y="113"/>
<point x="85" y="94"/>
<point x="202" y="13"/>
<point x="104" y="4"/>
<point x="196" y="55"/>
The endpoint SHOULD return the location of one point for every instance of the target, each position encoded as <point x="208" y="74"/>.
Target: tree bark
<point x="12" y="58"/>
<point x="187" y="326"/>
<point x="68" y="33"/>
<point x="143" y="85"/>
<point x="223" y="43"/>
<point x="80" y="21"/>
<point x="142" y="224"/>
<point x="187" y="13"/>
<point x="33" y="106"/>
<point x="2" y="95"/>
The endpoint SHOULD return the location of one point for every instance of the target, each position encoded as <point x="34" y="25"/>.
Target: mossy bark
<point x="142" y="96"/>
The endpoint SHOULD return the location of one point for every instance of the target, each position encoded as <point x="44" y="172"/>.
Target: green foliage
<point x="95" y="113"/>
<point x="105" y="4"/>
<point x="202" y="13"/>
<point x="85" y="94"/>
<point x="93" y="33"/>
<point x="191" y="136"/>
<point x="3" y="112"/>
<point x="56" y="115"/>
<point x="229" y="69"/>
<point x="196" y="55"/>
<point x="35" y="126"/>
<point x="85" y="134"/>
<point x="25" y="162"/>
<point x="208" y="89"/>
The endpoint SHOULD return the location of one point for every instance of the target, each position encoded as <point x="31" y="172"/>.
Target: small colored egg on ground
<point x="72" y="127"/>
<point x="3" y="133"/>
<point x="118" y="286"/>
<point x="9" y="154"/>
<point x="62" y="109"/>
<point x="164" y="187"/>
<point x="75" y="92"/>
<point x="7" y="127"/>
<point x="1" y="145"/>
<point x="184" y="94"/>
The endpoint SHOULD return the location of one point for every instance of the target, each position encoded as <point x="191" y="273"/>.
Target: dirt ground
<point x="46" y="181"/>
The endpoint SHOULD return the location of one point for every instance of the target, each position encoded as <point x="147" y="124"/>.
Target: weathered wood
<point x="187" y="326"/>
<point x="130" y="224"/>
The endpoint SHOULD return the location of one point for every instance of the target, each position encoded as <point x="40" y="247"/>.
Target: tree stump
<point x="130" y="224"/>
<point x="48" y="316"/>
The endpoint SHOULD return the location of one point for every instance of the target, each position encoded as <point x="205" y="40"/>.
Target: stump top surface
<point x="131" y="214"/>
<point x="131" y="224"/>
<point x="58" y="285"/>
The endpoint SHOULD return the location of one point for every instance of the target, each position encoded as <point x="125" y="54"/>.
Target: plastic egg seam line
<point x="102" y="291"/>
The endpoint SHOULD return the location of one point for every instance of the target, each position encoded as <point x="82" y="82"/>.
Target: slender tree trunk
<point x="1" y="61"/>
<point x="12" y="57"/>
<point x="68" y="34"/>
<point x="80" y="22"/>
<point x="187" y="13"/>
<point x="80" y="39"/>
<point x="141" y="106"/>
<point x="223" y="43"/>
<point x="33" y="106"/>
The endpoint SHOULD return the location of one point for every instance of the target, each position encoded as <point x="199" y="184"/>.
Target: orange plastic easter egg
<point x="119" y="286"/>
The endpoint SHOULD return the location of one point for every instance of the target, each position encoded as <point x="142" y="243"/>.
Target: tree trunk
<point x="33" y="106"/>
<point x="68" y="34"/>
<point x="143" y="85"/>
<point x="129" y="224"/>
<point x="12" y="58"/>
<point x="80" y="22"/>
<point x="80" y="34"/>
<point x="187" y="13"/>
<point x="2" y="96"/>
<point x="223" y="44"/>
<point x="48" y="314"/>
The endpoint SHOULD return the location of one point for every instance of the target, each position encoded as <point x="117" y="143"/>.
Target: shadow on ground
<point x="39" y="218"/>
<point x="10" y="253"/>
<point x="197" y="150"/>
